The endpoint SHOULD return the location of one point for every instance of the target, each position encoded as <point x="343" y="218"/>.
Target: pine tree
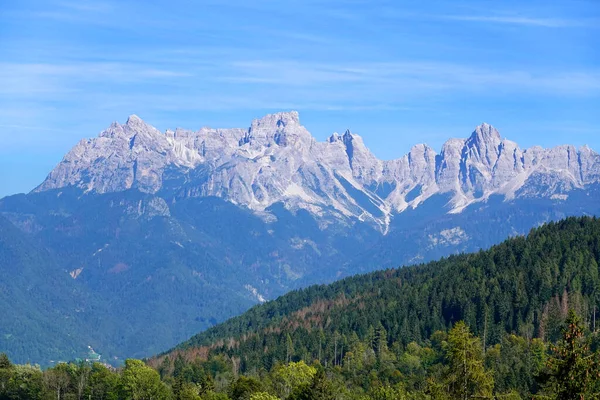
<point x="5" y="374"/>
<point x="466" y="376"/>
<point x="572" y="368"/>
<point x="320" y="389"/>
<point x="289" y="346"/>
<point x="380" y="340"/>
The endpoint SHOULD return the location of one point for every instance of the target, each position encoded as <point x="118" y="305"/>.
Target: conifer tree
<point x="466" y="377"/>
<point x="289" y="346"/>
<point x="572" y="368"/>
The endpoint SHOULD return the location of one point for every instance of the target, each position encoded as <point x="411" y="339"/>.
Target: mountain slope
<point x="524" y="285"/>
<point x="35" y="321"/>
<point x="174" y="232"/>
<point x="142" y="276"/>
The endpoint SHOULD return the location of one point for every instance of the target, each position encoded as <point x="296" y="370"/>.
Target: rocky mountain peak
<point x="134" y="120"/>
<point x="483" y="147"/>
<point x="276" y="121"/>
<point x="281" y="128"/>
<point x="135" y="125"/>
<point x="132" y="127"/>
<point x="365" y="166"/>
<point x="115" y="130"/>
<point x="335" y="137"/>
<point x="487" y="131"/>
<point x="419" y="149"/>
<point x="485" y="136"/>
<point x="352" y="139"/>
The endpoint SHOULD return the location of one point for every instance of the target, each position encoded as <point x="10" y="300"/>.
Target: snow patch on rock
<point x="255" y="293"/>
<point x="76" y="272"/>
<point x="453" y="236"/>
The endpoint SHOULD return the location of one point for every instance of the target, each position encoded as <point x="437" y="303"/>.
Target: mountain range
<point x="277" y="160"/>
<point x="139" y="239"/>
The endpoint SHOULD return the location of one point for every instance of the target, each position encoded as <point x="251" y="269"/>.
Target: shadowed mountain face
<point x="138" y="238"/>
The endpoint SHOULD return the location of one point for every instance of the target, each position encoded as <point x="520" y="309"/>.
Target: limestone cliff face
<point x="277" y="160"/>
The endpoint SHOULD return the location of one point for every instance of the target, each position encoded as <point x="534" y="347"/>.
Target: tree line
<point x="453" y="365"/>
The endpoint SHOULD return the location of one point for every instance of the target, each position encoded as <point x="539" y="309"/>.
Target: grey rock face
<point x="277" y="160"/>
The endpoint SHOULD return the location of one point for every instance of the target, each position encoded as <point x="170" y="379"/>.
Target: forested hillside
<point x="523" y="286"/>
<point x="516" y="321"/>
<point x="39" y="310"/>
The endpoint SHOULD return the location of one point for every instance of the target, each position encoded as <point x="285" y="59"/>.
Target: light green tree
<point x="189" y="391"/>
<point x="103" y="384"/>
<point x="387" y="393"/>
<point x="293" y="376"/>
<point x="26" y="382"/>
<point x="140" y="382"/>
<point x="214" y="396"/>
<point x="263" y="396"/>
<point x="320" y="389"/>
<point x="466" y="377"/>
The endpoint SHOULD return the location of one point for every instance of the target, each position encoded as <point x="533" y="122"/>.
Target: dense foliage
<point x="451" y="366"/>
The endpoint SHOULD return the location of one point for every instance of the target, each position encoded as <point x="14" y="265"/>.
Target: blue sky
<point x="397" y="72"/>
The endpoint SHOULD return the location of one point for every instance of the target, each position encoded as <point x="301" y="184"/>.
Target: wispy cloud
<point x="411" y="77"/>
<point x="360" y="84"/>
<point x="37" y="128"/>
<point x="93" y="6"/>
<point x="520" y="20"/>
<point x="32" y="79"/>
<point x="75" y="11"/>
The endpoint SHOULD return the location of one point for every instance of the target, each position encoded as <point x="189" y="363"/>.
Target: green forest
<point x="453" y="365"/>
<point x="515" y="321"/>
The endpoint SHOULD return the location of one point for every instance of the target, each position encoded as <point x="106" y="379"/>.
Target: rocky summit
<point x="276" y="160"/>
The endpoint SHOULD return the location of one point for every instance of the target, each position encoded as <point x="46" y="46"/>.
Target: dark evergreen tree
<point x="573" y="370"/>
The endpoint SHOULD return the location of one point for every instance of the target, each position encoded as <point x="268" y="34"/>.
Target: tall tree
<point x="292" y="377"/>
<point x="5" y="375"/>
<point x="57" y="380"/>
<point x="140" y="382"/>
<point x="572" y="368"/>
<point x="466" y="377"/>
<point x="103" y="383"/>
<point x="319" y="389"/>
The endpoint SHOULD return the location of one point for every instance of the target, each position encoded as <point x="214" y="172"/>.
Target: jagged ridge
<point x="277" y="160"/>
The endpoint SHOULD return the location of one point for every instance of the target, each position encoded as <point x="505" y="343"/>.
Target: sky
<point x="396" y="72"/>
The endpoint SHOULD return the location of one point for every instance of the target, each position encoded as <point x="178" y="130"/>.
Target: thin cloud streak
<point x="414" y="75"/>
<point x="516" y="20"/>
<point x="86" y="6"/>
<point x="361" y="82"/>
<point x="32" y="128"/>
<point x="25" y="79"/>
